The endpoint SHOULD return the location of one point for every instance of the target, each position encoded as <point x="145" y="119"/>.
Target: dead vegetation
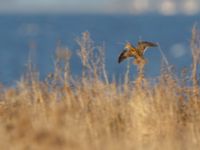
<point x="93" y="113"/>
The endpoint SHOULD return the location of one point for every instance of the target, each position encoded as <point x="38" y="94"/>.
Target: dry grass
<point x="93" y="114"/>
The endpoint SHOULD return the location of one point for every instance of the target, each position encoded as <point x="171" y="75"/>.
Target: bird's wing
<point x="143" y="45"/>
<point x="125" y="54"/>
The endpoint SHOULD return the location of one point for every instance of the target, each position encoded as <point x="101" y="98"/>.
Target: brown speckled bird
<point x="136" y="52"/>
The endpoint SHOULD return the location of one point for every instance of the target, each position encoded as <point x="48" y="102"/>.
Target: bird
<point x="136" y="52"/>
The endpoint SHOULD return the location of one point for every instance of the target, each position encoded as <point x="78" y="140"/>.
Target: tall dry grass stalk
<point x="92" y="58"/>
<point x="92" y="113"/>
<point x="195" y="47"/>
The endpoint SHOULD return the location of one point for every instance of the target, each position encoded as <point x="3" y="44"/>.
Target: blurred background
<point x="26" y="25"/>
<point x="165" y="7"/>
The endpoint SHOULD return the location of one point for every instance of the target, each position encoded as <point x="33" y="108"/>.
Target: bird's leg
<point x="140" y="68"/>
<point x="140" y="63"/>
<point x="140" y="77"/>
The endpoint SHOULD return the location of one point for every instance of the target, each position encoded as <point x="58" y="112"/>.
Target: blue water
<point x="18" y="31"/>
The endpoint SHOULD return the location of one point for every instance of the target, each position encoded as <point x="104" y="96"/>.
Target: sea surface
<point x="19" y="32"/>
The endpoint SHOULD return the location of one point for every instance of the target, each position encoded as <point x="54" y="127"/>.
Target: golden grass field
<point x="92" y="113"/>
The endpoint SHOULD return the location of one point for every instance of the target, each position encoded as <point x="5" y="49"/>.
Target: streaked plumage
<point x="136" y="52"/>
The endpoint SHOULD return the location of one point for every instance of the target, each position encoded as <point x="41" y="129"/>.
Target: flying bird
<point x="136" y="52"/>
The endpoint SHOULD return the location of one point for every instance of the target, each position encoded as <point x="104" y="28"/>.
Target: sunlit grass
<point x="92" y="112"/>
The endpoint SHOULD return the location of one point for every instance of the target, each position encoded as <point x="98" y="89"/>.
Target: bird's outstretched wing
<point x="125" y="54"/>
<point x="129" y="51"/>
<point x="143" y="45"/>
